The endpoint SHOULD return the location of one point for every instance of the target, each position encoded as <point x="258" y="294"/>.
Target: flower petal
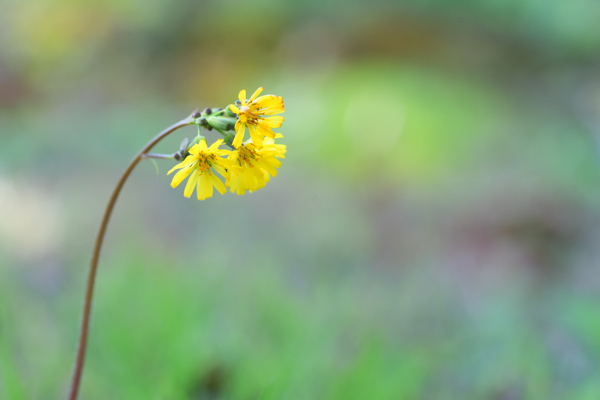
<point x="178" y="166"/>
<point x="267" y="167"/>
<point x="180" y="176"/>
<point x="265" y="131"/>
<point x="218" y="184"/>
<point x="239" y="136"/>
<point x="255" y="94"/>
<point x="233" y="108"/>
<point x="216" y="145"/>
<point x="257" y="138"/>
<point x="242" y="96"/>
<point x="200" y="189"/>
<point x="220" y="170"/>
<point x="191" y="184"/>
<point x="208" y="184"/>
<point x="273" y="122"/>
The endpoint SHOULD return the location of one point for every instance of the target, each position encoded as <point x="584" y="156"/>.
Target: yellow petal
<point x="239" y="136"/>
<point x="257" y="138"/>
<point x="270" y="104"/>
<point x="200" y="189"/>
<point x="191" y="184"/>
<point x="269" y="100"/>
<point x="180" y="165"/>
<point x="180" y="176"/>
<point x="195" y="149"/>
<point x="233" y="108"/>
<point x="220" y="170"/>
<point x="255" y="94"/>
<point x="273" y="122"/>
<point x="218" y="184"/>
<point x="272" y="110"/>
<point x="216" y="145"/>
<point x="189" y="160"/>
<point x="242" y="96"/>
<point x="265" y="131"/>
<point x="239" y="190"/>
<point x="208" y="184"/>
<point x="268" y="167"/>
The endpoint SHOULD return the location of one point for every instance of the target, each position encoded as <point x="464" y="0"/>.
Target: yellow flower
<point x="201" y="165"/>
<point x="252" y="113"/>
<point x="252" y="165"/>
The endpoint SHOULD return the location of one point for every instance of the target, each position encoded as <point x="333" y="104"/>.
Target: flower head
<point x="253" y="113"/>
<point x="253" y="165"/>
<point x="200" y="165"/>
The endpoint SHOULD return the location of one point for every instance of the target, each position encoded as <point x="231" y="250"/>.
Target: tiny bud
<point x="202" y="121"/>
<point x="238" y="103"/>
<point x="229" y="126"/>
<point x="207" y="111"/>
<point x="196" y="115"/>
<point x="210" y="128"/>
<point x="177" y="156"/>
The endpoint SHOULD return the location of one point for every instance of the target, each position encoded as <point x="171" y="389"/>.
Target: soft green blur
<point x="434" y="232"/>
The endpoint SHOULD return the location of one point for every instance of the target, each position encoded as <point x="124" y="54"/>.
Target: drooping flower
<point x="253" y="166"/>
<point x="200" y="165"/>
<point x="253" y="113"/>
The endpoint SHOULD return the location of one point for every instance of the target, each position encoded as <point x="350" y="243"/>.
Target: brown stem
<point x="96" y="254"/>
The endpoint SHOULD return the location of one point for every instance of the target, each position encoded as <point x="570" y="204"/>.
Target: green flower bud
<point x="228" y="138"/>
<point x="221" y="123"/>
<point x="196" y="141"/>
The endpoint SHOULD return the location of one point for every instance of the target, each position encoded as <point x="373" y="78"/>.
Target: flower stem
<point x="96" y="253"/>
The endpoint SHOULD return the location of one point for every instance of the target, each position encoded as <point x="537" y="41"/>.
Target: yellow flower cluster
<point x="252" y="114"/>
<point x="249" y="165"/>
<point x="200" y="165"/>
<point x="253" y="166"/>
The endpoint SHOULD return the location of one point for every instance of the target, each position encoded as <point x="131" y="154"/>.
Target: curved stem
<point x="96" y="254"/>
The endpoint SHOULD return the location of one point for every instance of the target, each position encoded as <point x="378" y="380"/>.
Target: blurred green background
<point x="434" y="232"/>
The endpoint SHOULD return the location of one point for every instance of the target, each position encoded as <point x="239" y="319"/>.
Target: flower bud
<point x="221" y="123"/>
<point x="228" y="138"/>
<point x="196" y="140"/>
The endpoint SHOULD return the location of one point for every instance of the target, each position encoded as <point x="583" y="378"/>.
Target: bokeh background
<point x="434" y="232"/>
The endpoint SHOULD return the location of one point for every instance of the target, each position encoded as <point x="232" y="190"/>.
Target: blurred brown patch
<point x="210" y="384"/>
